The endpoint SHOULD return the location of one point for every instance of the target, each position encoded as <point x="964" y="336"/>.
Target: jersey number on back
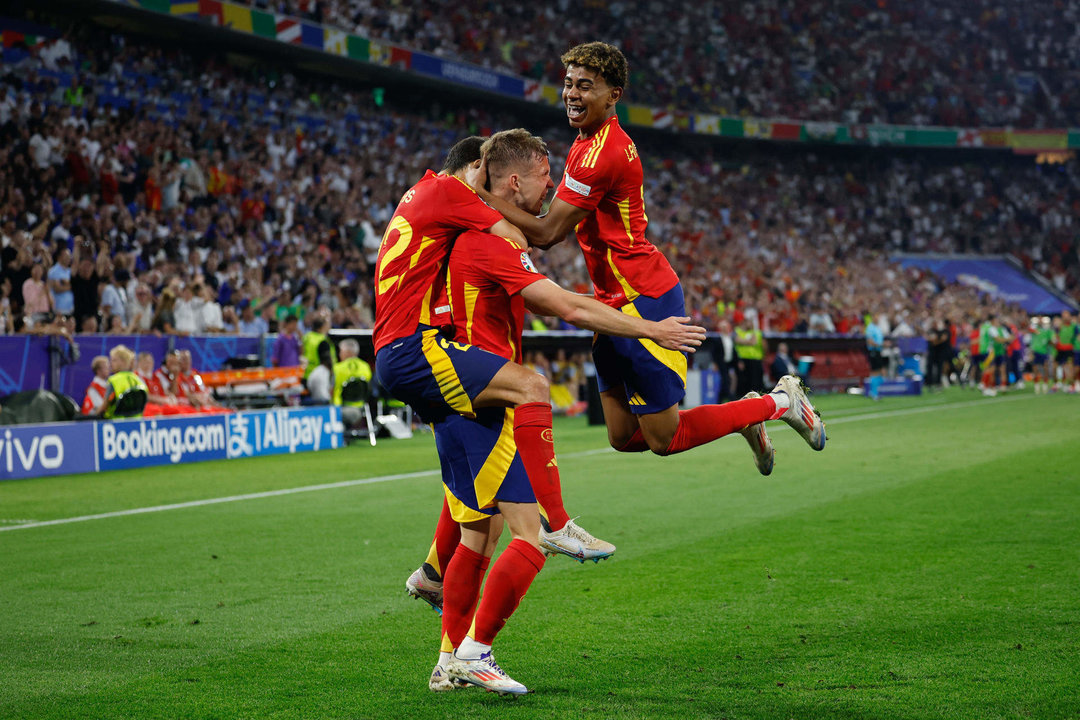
<point x="404" y="239"/>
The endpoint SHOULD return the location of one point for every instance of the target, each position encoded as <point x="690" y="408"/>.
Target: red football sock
<point x="636" y="443"/>
<point x="510" y="579"/>
<point x="461" y="588"/>
<point x="708" y="422"/>
<point x="447" y="537"/>
<point x="536" y="445"/>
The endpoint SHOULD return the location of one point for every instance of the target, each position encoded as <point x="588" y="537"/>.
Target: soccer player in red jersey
<point x="601" y="197"/>
<point x="491" y="281"/>
<point x="417" y="364"/>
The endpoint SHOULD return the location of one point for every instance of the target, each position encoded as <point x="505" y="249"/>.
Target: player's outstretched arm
<point x="541" y="232"/>
<point x="546" y="298"/>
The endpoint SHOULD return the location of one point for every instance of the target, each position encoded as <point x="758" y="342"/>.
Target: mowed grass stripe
<point x="16" y="525"/>
<point x="886" y="579"/>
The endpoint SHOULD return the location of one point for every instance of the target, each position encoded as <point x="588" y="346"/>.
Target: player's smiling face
<point x="589" y="100"/>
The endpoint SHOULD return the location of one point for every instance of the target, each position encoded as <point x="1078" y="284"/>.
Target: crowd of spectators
<point x="962" y="63"/>
<point x="146" y="191"/>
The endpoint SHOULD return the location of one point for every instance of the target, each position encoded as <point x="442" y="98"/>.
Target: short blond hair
<point x="512" y="149"/>
<point x="122" y="357"/>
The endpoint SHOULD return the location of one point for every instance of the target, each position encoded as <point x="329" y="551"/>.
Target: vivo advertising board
<point x="51" y="449"/>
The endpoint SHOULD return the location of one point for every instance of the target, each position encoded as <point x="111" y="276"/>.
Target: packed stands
<point x="167" y="193"/>
<point x="957" y="63"/>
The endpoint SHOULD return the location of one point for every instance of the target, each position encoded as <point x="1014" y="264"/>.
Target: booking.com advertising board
<point x="28" y="451"/>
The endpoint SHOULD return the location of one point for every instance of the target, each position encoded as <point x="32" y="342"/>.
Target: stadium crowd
<point x="958" y="62"/>
<point x="147" y="191"/>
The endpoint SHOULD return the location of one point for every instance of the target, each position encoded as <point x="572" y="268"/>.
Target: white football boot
<point x="419" y="585"/>
<point x="759" y="442"/>
<point x="576" y="542"/>
<point x="801" y="415"/>
<point x="484" y="672"/>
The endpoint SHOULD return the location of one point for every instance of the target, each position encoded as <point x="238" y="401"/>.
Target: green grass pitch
<point x="925" y="565"/>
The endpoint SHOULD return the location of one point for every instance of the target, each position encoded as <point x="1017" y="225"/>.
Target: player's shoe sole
<point x="484" y="672"/>
<point x="576" y="542"/>
<point x="421" y="587"/>
<point x="760" y="444"/>
<point x="801" y="415"/>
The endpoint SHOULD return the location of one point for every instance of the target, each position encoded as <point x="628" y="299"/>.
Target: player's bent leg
<point x="426" y="581"/>
<point x="624" y="431"/>
<point x="513" y="385"/>
<point x="673" y="431"/>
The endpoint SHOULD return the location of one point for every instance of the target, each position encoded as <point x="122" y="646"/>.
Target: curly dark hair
<point x="603" y="59"/>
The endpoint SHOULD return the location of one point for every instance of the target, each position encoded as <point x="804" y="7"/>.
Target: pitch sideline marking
<point x="430" y="473"/>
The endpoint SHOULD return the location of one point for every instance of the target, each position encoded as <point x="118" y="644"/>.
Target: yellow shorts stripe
<point x="446" y="376"/>
<point x="493" y="472"/>
<point x="461" y="512"/>
<point x="673" y="359"/>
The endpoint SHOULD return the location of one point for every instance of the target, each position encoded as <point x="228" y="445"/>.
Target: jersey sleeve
<point x="504" y="262"/>
<point x="584" y="185"/>
<point x="464" y="208"/>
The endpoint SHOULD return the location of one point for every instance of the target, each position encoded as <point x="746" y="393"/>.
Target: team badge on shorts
<point x="526" y="262"/>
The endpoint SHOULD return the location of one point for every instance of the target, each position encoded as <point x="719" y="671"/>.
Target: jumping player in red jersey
<point x="491" y="281"/>
<point x="419" y="365"/>
<point x="601" y="197"/>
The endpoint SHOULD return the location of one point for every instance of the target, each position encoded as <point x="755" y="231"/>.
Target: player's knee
<point x="536" y="388"/>
<point x="660" y="441"/>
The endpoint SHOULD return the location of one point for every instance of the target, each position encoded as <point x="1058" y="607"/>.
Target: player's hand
<point x="477" y="175"/>
<point x="675" y="333"/>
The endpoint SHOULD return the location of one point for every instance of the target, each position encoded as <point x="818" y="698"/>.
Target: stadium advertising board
<point x="123" y="444"/>
<point x="62" y="448"/>
<point x="49" y="449"/>
<point x="272" y="432"/>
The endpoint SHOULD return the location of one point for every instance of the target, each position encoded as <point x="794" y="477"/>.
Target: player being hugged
<point x="601" y="197"/>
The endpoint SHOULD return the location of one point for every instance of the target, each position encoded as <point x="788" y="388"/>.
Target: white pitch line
<point x="431" y="473"/>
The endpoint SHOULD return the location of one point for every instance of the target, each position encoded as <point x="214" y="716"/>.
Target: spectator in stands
<point x="114" y="296"/>
<point x="59" y="277"/>
<point x="85" y="282"/>
<point x="98" y="390"/>
<point x="286" y="349"/>
<point x="164" y="321"/>
<point x="140" y="309"/>
<point x="249" y="323"/>
<point x="211" y="318"/>
<point x="37" y="300"/>
<point x="188" y="311"/>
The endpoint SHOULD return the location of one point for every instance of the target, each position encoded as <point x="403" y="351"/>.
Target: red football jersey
<point x="410" y="274"/>
<point x="604" y="175"/>
<point x="486" y="275"/>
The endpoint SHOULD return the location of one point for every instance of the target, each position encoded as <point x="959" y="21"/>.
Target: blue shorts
<point x="1040" y="358"/>
<point x="480" y="463"/>
<point x="654" y="378"/>
<point x="436" y="376"/>
<point x="999" y="360"/>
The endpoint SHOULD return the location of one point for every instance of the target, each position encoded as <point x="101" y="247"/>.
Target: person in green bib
<point x="349" y="368"/>
<point x="1000" y="337"/>
<point x="1042" y="338"/>
<point x="309" y="345"/>
<point x="122" y="381"/>
<point x="750" y="349"/>
<point x="1068" y="351"/>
